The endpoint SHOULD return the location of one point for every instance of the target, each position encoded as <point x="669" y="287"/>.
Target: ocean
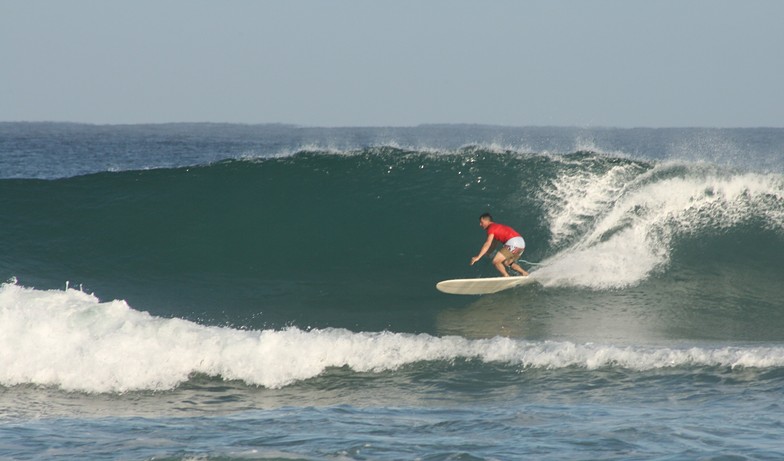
<point x="260" y="292"/>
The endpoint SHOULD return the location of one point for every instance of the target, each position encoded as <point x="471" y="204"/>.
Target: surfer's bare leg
<point x="511" y="262"/>
<point x="516" y="267"/>
<point x="498" y="262"/>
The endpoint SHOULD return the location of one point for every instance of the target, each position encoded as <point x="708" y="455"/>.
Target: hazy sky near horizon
<point x="617" y="63"/>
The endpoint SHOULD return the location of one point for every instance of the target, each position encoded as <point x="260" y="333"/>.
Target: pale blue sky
<point x="358" y="63"/>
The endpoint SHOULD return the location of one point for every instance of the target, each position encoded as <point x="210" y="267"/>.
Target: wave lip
<point x="616" y="222"/>
<point x="70" y="340"/>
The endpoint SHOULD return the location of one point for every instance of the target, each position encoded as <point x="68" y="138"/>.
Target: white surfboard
<point x="482" y="286"/>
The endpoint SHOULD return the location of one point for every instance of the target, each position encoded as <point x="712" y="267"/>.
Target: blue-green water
<point x="267" y="292"/>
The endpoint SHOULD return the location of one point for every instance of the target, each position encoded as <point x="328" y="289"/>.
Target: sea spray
<point x="623" y="220"/>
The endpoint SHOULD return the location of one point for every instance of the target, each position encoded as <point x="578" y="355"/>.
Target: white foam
<point x="71" y="340"/>
<point x="575" y="198"/>
<point x="620" y="223"/>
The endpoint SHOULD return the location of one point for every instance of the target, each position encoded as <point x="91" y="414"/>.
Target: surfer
<point x="510" y="252"/>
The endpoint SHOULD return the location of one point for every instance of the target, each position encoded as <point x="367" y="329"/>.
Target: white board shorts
<point x="512" y="250"/>
<point x="515" y="242"/>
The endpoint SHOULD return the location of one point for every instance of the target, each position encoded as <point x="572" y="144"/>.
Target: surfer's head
<point x="485" y="220"/>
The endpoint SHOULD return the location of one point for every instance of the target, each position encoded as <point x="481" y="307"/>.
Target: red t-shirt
<point x="501" y="232"/>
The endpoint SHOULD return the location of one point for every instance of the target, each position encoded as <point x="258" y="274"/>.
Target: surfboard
<point x="482" y="286"/>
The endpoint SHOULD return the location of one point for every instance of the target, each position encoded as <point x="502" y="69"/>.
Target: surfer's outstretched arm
<point x="489" y="243"/>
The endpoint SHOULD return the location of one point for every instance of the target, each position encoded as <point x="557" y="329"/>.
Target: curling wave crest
<point x="616" y="222"/>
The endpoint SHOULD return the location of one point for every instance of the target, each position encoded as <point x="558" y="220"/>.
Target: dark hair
<point x="486" y="215"/>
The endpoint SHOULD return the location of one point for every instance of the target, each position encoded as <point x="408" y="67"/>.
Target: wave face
<point x="327" y="239"/>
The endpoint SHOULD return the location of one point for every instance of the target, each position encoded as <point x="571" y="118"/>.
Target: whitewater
<point x="72" y="341"/>
<point x="197" y="291"/>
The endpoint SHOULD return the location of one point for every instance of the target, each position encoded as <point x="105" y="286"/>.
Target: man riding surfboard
<point x="513" y="245"/>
